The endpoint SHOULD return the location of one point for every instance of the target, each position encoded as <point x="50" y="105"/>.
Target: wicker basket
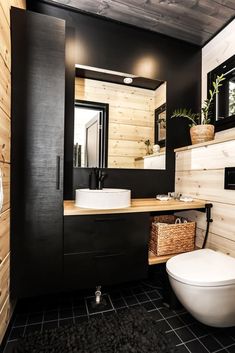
<point x="168" y="237"/>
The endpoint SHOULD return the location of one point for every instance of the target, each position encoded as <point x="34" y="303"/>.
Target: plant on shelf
<point x="200" y="128"/>
<point x="148" y="147"/>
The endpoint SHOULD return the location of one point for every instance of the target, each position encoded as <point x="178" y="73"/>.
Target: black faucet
<point x="101" y="175"/>
<point x="96" y="179"/>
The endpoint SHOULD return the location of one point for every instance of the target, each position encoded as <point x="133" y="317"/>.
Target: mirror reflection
<point x="120" y="120"/>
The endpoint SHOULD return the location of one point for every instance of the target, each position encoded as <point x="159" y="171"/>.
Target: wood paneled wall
<point x="131" y="117"/>
<point x="5" y="116"/>
<point x="200" y="171"/>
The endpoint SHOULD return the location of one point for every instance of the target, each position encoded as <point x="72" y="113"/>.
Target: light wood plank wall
<point x="200" y="171"/>
<point x="131" y="118"/>
<point x="5" y="122"/>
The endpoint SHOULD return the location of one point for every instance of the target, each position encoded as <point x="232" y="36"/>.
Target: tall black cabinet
<point x="38" y="91"/>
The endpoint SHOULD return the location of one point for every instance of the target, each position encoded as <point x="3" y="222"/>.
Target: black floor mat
<point x="131" y="331"/>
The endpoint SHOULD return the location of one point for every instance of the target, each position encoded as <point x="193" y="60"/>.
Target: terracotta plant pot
<point x="202" y="133"/>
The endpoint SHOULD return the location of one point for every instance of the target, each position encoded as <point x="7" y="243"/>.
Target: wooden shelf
<point x="137" y="205"/>
<point x="155" y="260"/>
<point x="205" y="144"/>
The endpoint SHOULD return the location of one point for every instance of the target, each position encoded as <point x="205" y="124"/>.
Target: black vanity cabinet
<point x="38" y="90"/>
<point x="105" y="249"/>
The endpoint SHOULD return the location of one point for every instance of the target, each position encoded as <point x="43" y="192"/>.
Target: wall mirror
<point x="119" y="119"/>
<point x="224" y="106"/>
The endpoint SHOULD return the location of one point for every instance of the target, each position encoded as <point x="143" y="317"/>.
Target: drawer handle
<point x="57" y="172"/>
<point x="108" y="255"/>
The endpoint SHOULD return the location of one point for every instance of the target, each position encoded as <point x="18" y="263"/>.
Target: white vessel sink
<point x="103" y="199"/>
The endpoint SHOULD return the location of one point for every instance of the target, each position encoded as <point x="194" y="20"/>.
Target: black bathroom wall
<point x="108" y="44"/>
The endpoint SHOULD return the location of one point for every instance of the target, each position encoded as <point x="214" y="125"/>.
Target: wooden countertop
<point x="137" y="205"/>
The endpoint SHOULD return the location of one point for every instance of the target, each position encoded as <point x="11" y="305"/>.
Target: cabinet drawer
<point x="4" y="234"/>
<point x="4" y="280"/>
<point x="105" y="268"/>
<point x="105" y="232"/>
<point x="4" y="318"/>
<point x="79" y="271"/>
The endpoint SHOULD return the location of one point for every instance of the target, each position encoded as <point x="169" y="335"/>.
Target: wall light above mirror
<point x="117" y="124"/>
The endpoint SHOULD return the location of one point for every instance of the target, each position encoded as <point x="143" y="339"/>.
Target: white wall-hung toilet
<point x="204" y="282"/>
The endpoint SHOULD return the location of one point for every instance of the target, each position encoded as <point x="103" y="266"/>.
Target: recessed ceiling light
<point x="128" y="80"/>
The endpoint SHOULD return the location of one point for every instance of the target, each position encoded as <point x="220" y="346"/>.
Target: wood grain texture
<point x="131" y="117"/>
<point x="217" y="156"/>
<point x="5" y="167"/>
<point x="219" y="49"/>
<point x="4" y="234"/>
<point x="206" y="185"/>
<point x="137" y="205"/>
<point x="5" y="87"/>
<point x="5" y="315"/>
<point x="193" y="21"/>
<point x="5" y="41"/>
<point x="5" y="136"/>
<point x="200" y="173"/>
<point x="4" y="280"/>
<point x="5" y="114"/>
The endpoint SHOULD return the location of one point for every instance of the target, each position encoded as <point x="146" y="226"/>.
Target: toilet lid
<point x="203" y="267"/>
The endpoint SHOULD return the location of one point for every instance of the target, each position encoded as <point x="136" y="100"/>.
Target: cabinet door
<point x="105" y="249"/>
<point x="100" y="233"/>
<point x="38" y="89"/>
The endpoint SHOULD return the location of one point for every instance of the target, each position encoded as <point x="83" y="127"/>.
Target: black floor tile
<point x="16" y="333"/>
<point x="131" y="300"/>
<point x="153" y="295"/>
<point x="187" y="318"/>
<point x="173" y="338"/>
<point x="80" y="319"/>
<point x="224" y="339"/>
<point x="66" y="309"/>
<point x="163" y="325"/>
<point x="65" y="322"/>
<point x="10" y="347"/>
<point x="185" y="334"/>
<point x="167" y="313"/>
<point x="158" y="303"/>
<point x="115" y="295"/>
<point x="210" y="343"/>
<point x="148" y="306"/>
<point x="32" y="328"/>
<point x="231" y="349"/>
<point x="51" y="315"/>
<point x="119" y="303"/>
<point x="50" y="325"/>
<point x="65" y="313"/>
<point x="156" y="315"/>
<point x="196" y="347"/>
<point x="80" y="310"/>
<point x="93" y="308"/>
<point x="142" y="297"/>
<point x="20" y="320"/>
<point x="182" y="349"/>
<point x="174" y="322"/>
<point x="35" y="318"/>
<point x="200" y="330"/>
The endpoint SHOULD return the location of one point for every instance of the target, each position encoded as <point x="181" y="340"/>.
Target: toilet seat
<point x="203" y="267"/>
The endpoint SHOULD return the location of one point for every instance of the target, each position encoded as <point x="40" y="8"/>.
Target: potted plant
<point x="200" y="128"/>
